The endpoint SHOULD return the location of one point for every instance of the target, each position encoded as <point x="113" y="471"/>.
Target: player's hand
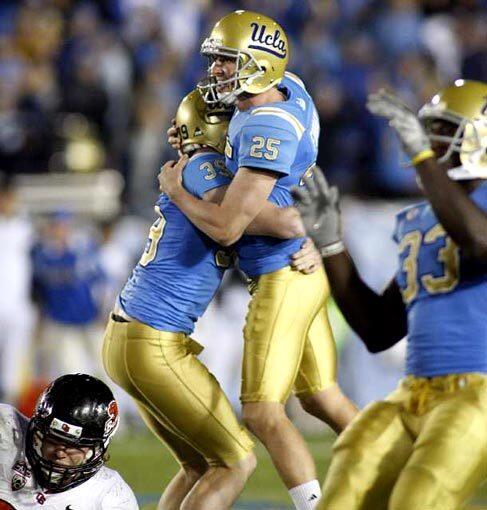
<point x="307" y="259"/>
<point x="319" y="207"/>
<point x="173" y="138"/>
<point x="171" y="176"/>
<point x="409" y="129"/>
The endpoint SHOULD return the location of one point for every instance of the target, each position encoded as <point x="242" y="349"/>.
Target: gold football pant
<point x="179" y="399"/>
<point x="423" y="448"/>
<point x="288" y="339"/>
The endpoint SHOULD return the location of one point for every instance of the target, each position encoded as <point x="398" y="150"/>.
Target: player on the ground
<point x="271" y="144"/>
<point x="147" y="349"/>
<point x="56" y="459"/>
<point x="425" y="446"/>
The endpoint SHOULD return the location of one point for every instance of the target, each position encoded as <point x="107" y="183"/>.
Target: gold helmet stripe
<point x="283" y="114"/>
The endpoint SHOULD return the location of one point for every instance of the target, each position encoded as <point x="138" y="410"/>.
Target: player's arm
<point x="378" y="319"/>
<point x="224" y="222"/>
<point x="273" y="221"/>
<point x="266" y="153"/>
<point x="465" y="221"/>
<point x="460" y="216"/>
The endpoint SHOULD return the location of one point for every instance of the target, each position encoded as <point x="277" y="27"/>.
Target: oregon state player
<point x="425" y="446"/>
<point x="56" y="459"/>
<point x="272" y="143"/>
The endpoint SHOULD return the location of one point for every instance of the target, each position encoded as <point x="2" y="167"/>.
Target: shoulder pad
<point x="288" y="118"/>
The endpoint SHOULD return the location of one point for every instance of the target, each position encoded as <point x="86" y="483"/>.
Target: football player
<point x="425" y="446"/>
<point x="271" y="144"/>
<point x="147" y="349"/>
<point x="56" y="459"/>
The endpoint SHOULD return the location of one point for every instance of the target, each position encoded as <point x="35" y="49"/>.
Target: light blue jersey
<point x="280" y="137"/>
<point x="181" y="268"/>
<point x="67" y="280"/>
<point x="445" y="295"/>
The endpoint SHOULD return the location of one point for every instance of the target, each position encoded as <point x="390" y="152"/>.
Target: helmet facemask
<point x="247" y="70"/>
<point x="55" y="476"/>
<point x="74" y="411"/>
<point x="469" y="141"/>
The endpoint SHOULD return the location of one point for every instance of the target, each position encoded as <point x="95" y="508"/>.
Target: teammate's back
<point x="181" y="268"/>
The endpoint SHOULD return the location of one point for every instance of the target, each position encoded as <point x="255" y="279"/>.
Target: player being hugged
<point x="56" y="459"/>
<point x="425" y="446"/>
<point x="147" y="348"/>
<point x="271" y="144"/>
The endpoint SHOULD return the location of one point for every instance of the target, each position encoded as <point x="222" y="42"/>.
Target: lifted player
<point x="425" y="446"/>
<point x="55" y="459"/>
<point x="271" y="144"/>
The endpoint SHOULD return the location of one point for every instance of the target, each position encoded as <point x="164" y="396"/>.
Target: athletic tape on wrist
<point x="332" y="249"/>
<point x="421" y="156"/>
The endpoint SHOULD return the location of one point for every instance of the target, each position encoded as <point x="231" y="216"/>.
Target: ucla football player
<point x="425" y="446"/>
<point x="271" y="144"/>
<point x="147" y="348"/>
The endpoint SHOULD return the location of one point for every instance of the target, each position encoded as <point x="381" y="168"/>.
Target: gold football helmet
<point x="464" y="104"/>
<point x="201" y="125"/>
<point x="261" y="51"/>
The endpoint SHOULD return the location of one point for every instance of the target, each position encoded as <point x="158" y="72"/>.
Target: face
<point x="223" y="68"/>
<point x="62" y="453"/>
<point x="58" y="231"/>
<point x="446" y="129"/>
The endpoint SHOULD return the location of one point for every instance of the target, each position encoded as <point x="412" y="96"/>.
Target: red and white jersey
<point x="106" y="490"/>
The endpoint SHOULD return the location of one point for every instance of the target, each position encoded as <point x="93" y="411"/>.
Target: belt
<point x="118" y="318"/>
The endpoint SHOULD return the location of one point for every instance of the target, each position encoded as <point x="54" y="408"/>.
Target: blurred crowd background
<point x="88" y="86"/>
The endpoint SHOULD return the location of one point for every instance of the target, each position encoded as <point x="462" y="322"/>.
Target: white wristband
<point x="332" y="249"/>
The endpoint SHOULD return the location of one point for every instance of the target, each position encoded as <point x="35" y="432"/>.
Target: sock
<point x="306" y="495"/>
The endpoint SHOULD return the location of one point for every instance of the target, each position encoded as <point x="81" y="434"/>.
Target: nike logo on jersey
<point x="301" y="103"/>
<point x="312" y="497"/>
<point x="69" y="507"/>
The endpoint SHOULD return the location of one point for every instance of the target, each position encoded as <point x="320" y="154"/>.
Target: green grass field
<point x="147" y="467"/>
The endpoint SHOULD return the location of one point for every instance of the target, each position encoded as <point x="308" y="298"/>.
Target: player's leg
<point x="316" y="385"/>
<point x="220" y="486"/>
<point x="160" y="370"/>
<point x="281" y="310"/>
<point x="193" y="464"/>
<point x="367" y="459"/>
<point x="450" y="454"/>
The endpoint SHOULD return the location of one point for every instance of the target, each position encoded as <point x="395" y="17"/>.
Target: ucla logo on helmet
<point x="269" y="42"/>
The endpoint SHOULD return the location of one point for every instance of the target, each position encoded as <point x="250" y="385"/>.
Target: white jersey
<point x="15" y="265"/>
<point x="106" y="490"/>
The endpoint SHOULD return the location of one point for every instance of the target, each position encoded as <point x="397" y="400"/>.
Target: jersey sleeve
<point x="204" y="174"/>
<point x="119" y="496"/>
<point x="479" y="196"/>
<point x="397" y="227"/>
<point x="270" y="141"/>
